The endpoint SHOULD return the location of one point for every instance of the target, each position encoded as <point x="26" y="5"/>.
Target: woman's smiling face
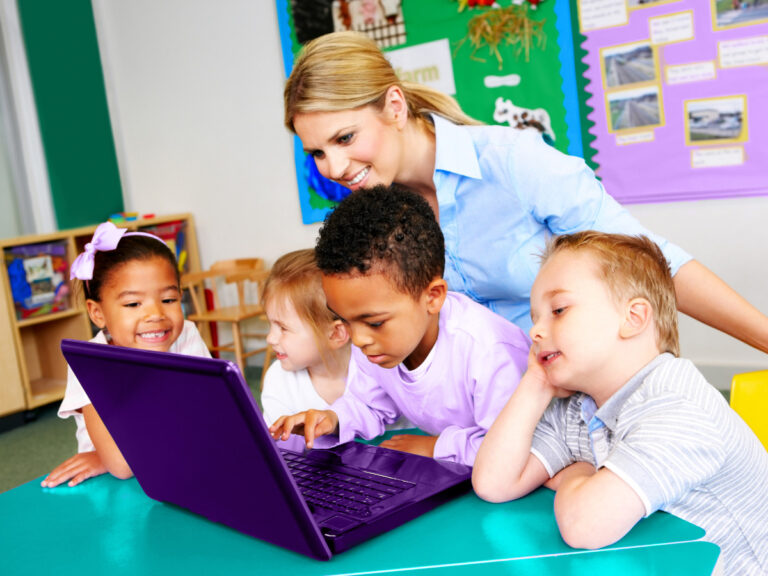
<point x="357" y="148"/>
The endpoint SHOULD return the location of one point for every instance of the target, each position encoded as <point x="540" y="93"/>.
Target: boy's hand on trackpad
<point x="311" y="424"/>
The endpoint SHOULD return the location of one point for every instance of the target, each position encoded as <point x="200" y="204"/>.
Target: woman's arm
<point x="702" y="295"/>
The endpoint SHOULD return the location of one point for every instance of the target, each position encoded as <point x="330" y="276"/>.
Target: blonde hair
<point x="295" y="278"/>
<point x="346" y="70"/>
<point x="631" y="267"/>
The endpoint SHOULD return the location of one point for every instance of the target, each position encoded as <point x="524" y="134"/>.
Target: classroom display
<point x="677" y="85"/>
<point x="504" y="76"/>
<point x="625" y="84"/>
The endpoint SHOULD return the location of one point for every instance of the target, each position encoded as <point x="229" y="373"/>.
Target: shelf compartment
<point x="45" y="365"/>
<point x="49" y="317"/>
<point x="46" y="390"/>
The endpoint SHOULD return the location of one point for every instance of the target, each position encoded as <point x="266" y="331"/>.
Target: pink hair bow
<point x="105" y="238"/>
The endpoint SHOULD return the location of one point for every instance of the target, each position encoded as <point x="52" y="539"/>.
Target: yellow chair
<point x="241" y="273"/>
<point x="749" y="398"/>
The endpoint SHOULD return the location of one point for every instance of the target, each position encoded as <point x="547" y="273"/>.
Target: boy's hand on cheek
<point x="421" y="445"/>
<point x="535" y="377"/>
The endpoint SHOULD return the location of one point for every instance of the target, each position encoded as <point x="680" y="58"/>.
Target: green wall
<point x="68" y="85"/>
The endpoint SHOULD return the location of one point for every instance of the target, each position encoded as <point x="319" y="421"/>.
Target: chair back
<point x="749" y="398"/>
<point x="240" y="272"/>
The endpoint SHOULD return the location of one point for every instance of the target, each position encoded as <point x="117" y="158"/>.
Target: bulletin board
<point x="678" y="92"/>
<point x="660" y="97"/>
<point x="417" y="34"/>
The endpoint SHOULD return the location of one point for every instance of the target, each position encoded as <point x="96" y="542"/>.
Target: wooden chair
<point x="242" y="273"/>
<point x="749" y="398"/>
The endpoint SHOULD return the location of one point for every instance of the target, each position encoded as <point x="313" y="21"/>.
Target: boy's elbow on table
<point x="494" y="488"/>
<point x="588" y="527"/>
<point x="580" y="533"/>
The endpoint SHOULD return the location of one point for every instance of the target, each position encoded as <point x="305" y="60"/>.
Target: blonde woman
<point x="499" y="193"/>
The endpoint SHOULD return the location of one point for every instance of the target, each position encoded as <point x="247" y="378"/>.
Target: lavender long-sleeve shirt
<point x="474" y="367"/>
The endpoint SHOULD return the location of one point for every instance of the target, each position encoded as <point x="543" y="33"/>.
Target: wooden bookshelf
<point x="34" y="371"/>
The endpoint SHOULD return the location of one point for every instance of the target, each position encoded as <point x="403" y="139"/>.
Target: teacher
<point x="499" y="193"/>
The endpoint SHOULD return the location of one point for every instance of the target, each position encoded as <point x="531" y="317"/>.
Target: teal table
<point x="109" y="526"/>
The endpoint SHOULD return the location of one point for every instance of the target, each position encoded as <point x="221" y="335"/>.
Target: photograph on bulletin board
<point x="520" y="74"/>
<point x="729" y="13"/>
<point x="675" y="84"/>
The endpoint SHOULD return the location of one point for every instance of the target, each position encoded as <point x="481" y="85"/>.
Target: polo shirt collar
<point x="609" y="412"/>
<point x="454" y="149"/>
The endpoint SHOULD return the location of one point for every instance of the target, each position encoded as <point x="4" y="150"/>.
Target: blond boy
<point x="634" y="429"/>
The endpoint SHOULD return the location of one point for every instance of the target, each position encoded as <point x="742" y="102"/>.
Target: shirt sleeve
<point x="567" y="197"/>
<point x="190" y="342"/>
<point x="497" y="372"/>
<point x="365" y="410"/>
<point x="672" y="449"/>
<point x="74" y="395"/>
<point x="273" y="402"/>
<point x="74" y="400"/>
<point x="548" y="444"/>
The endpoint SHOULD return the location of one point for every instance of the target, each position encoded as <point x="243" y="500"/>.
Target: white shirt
<point x="189" y="343"/>
<point x="287" y="393"/>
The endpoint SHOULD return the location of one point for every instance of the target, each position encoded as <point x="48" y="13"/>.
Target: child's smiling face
<point x="292" y="339"/>
<point x="576" y="321"/>
<point x="389" y="326"/>
<point x="140" y="305"/>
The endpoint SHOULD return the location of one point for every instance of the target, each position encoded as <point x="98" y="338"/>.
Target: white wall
<point x="195" y="94"/>
<point x="731" y="238"/>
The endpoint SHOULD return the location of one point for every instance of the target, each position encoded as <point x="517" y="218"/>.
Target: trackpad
<point x="338" y="524"/>
<point x="372" y="458"/>
<point x="386" y="463"/>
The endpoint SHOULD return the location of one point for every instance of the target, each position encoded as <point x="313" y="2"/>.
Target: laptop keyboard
<point x="340" y="489"/>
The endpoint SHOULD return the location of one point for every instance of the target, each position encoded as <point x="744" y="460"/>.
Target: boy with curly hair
<point x="439" y="358"/>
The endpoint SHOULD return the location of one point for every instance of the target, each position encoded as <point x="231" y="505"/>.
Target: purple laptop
<point x="192" y="434"/>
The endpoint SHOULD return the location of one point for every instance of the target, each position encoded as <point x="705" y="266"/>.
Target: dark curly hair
<point x="386" y="229"/>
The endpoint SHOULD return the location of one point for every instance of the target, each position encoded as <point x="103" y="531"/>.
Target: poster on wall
<point x="521" y="74"/>
<point x="677" y="90"/>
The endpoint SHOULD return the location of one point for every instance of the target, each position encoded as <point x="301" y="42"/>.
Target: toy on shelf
<point x="37" y="274"/>
<point x="174" y="235"/>
<point x="118" y="217"/>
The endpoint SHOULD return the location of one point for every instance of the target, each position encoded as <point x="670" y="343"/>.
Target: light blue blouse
<point x="502" y="193"/>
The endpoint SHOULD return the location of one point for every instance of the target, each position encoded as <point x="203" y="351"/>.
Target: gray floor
<point x="33" y="449"/>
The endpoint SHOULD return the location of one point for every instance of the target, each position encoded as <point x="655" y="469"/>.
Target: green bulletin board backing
<point x="541" y="85"/>
<point x="428" y="20"/>
<point x="68" y="86"/>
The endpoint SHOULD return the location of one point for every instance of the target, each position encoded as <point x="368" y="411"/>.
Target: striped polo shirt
<point x="673" y="438"/>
